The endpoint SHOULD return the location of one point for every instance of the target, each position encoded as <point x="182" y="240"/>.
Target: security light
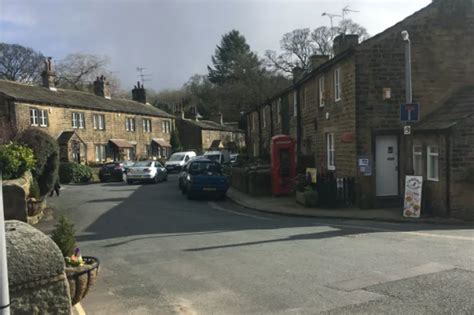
<point x="405" y="35"/>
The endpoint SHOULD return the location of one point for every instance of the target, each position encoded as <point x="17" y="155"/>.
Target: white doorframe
<point x="386" y="165"/>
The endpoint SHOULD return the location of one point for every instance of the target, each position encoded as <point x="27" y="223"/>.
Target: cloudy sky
<point x="174" y="39"/>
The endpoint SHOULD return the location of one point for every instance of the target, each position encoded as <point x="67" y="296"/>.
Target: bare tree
<point x="299" y="45"/>
<point x="78" y="71"/>
<point x="18" y="63"/>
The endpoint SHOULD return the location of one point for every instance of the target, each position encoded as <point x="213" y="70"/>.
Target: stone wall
<point x="15" y="194"/>
<point x="60" y="119"/>
<point x="37" y="281"/>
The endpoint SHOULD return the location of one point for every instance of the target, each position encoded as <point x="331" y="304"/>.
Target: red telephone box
<point x="283" y="151"/>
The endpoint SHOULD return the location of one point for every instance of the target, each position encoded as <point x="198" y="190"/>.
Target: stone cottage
<point x="90" y="128"/>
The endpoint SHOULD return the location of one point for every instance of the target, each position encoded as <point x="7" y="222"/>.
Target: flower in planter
<point x="75" y="260"/>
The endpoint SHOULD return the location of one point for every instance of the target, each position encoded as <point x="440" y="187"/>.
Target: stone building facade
<point x="89" y="127"/>
<point x="349" y="106"/>
<point x="200" y="135"/>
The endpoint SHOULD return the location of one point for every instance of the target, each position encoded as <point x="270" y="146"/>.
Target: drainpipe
<point x="271" y="118"/>
<point x="448" y="172"/>
<point x="259" y="115"/>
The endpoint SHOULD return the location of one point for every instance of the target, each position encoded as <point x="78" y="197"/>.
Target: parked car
<point x="114" y="171"/>
<point x="184" y="172"/>
<point x="147" y="171"/>
<point x="233" y="158"/>
<point x="178" y="160"/>
<point x="204" y="176"/>
<point x="221" y="157"/>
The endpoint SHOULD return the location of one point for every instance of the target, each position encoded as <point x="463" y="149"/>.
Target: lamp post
<point x="4" y="291"/>
<point x="408" y="100"/>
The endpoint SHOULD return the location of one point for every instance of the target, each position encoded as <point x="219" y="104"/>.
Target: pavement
<point x="287" y="205"/>
<point x="163" y="254"/>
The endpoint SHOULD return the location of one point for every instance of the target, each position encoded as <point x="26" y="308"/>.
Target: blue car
<point x="204" y="177"/>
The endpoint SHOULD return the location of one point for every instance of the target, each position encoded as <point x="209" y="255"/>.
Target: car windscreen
<point x="176" y="157"/>
<point x="205" y="167"/>
<point x="142" y="164"/>
<point x="213" y="157"/>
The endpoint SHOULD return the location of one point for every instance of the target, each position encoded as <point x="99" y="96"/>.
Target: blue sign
<point x="409" y="112"/>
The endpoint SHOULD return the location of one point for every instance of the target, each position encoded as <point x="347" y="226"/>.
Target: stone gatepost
<point x="38" y="284"/>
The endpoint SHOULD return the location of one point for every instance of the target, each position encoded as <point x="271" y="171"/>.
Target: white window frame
<point x="279" y="110"/>
<point x="295" y="103"/>
<point x="146" y="125"/>
<point x="330" y="151"/>
<point x="417" y="155"/>
<point x="337" y="84"/>
<point x="34" y="117"/>
<point x="100" y="153"/>
<point x="43" y="117"/>
<point x="98" y="121"/>
<point x="264" y="121"/>
<point x="130" y="124"/>
<point x="78" y="120"/>
<point x="435" y="155"/>
<point x="165" y="126"/>
<point x="321" y="91"/>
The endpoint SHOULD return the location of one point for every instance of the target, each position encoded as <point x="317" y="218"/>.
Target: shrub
<point x="34" y="189"/>
<point x="15" y="159"/>
<point x="71" y="172"/>
<point x="46" y="152"/>
<point x="63" y="236"/>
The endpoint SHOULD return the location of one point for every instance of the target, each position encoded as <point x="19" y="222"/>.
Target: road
<point x="163" y="254"/>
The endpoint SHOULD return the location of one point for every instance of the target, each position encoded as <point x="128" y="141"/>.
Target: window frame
<point x="98" y="121"/>
<point x="337" y="84"/>
<point x="101" y="149"/>
<point x="417" y="154"/>
<point x="330" y="148"/>
<point x="78" y="120"/>
<point x="34" y="117"/>
<point x="43" y="119"/>
<point x="429" y="155"/>
<point x="321" y="91"/>
<point x="146" y="124"/>
<point x="130" y="124"/>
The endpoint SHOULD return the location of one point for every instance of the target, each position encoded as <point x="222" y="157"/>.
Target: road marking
<point x="219" y="208"/>
<point x="463" y="238"/>
<point x="79" y="309"/>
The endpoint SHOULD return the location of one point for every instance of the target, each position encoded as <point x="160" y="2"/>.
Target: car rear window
<point x="205" y="167"/>
<point x="142" y="164"/>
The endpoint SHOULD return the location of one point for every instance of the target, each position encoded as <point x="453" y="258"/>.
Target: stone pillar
<point x="38" y="283"/>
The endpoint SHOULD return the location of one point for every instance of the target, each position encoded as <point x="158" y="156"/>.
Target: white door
<point x="386" y="169"/>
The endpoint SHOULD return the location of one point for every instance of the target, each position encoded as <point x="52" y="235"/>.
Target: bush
<point x="34" y="189"/>
<point x="15" y="159"/>
<point x="46" y="152"/>
<point x="63" y="236"/>
<point x="71" y="172"/>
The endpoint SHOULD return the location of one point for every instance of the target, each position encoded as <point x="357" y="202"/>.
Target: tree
<point x="19" y="63"/>
<point x="174" y="140"/>
<point x="232" y="59"/>
<point x="299" y="45"/>
<point x="78" y="71"/>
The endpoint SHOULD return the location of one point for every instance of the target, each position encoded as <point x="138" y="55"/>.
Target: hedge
<point x="46" y="152"/>
<point x="72" y="172"/>
<point x="15" y="159"/>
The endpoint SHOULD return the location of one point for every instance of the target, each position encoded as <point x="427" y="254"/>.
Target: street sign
<point x="407" y="130"/>
<point x="409" y="112"/>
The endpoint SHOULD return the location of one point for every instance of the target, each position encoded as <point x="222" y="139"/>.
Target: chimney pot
<point x="101" y="87"/>
<point x="139" y="93"/>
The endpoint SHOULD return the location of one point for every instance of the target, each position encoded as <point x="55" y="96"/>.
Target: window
<point x="38" y="117"/>
<point x="100" y="152"/>
<point x="295" y="103"/>
<point x="321" y="92"/>
<point x="78" y="120"/>
<point x="278" y="110"/>
<point x="337" y="84"/>
<point x="34" y="116"/>
<point x="433" y="163"/>
<point x="166" y="126"/>
<point x="417" y="160"/>
<point x="330" y="151"/>
<point x="98" y="121"/>
<point x="130" y="124"/>
<point x="146" y="125"/>
<point x="264" y="121"/>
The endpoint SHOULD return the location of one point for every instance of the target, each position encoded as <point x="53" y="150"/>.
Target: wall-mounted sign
<point x="407" y="130"/>
<point x="412" y="200"/>
<point x="313" y="173"/>
<point x="347" y="137"/>
<point x="364" y="164"/>
<point x="409" y="112"/>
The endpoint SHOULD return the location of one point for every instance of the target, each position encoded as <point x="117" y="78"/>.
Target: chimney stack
<point x="343" y="42"/>
<point x="101" y="87"/>
<point x="139" y="93"/>
<point x="317" y="60"/>
<point x="297" y="72"/>
<point x="48" y="74"/>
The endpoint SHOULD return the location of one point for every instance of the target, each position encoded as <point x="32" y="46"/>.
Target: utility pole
<point x="408" y="100"/>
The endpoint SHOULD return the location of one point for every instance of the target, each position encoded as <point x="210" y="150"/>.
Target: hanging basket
<point x="81" y="278"/>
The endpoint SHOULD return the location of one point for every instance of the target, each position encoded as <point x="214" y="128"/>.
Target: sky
<point x="174" y="40"/>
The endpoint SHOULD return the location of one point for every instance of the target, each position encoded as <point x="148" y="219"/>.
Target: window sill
<point x="433" y="179"/>
<point x="331" y="168"/>
<point x="337" y="100"/>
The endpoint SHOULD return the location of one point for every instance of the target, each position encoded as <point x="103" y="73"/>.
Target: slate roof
<point x="211" y="125"/>
<point x="161" y="142"/>
<point x="121" y="143"/>
<point x="76" y="99"/>
<point x="458" y="107"/>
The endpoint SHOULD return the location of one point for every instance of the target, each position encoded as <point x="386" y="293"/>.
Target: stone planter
<point x="35" y="206"/>
<point x="81" y="278"/>
<point x="307" y="198"/>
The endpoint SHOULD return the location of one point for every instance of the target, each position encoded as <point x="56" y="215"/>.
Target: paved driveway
<point x="164" y="254"/>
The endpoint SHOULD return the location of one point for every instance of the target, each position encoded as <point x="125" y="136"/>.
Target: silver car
<point x="146" y="171"/>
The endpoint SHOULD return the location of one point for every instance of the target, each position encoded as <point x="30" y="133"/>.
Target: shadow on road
<point x="161" y="209"/>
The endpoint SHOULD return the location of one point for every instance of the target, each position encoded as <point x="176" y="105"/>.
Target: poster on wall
<point x="412" y="200"/>
<point x="311" y="172"/>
